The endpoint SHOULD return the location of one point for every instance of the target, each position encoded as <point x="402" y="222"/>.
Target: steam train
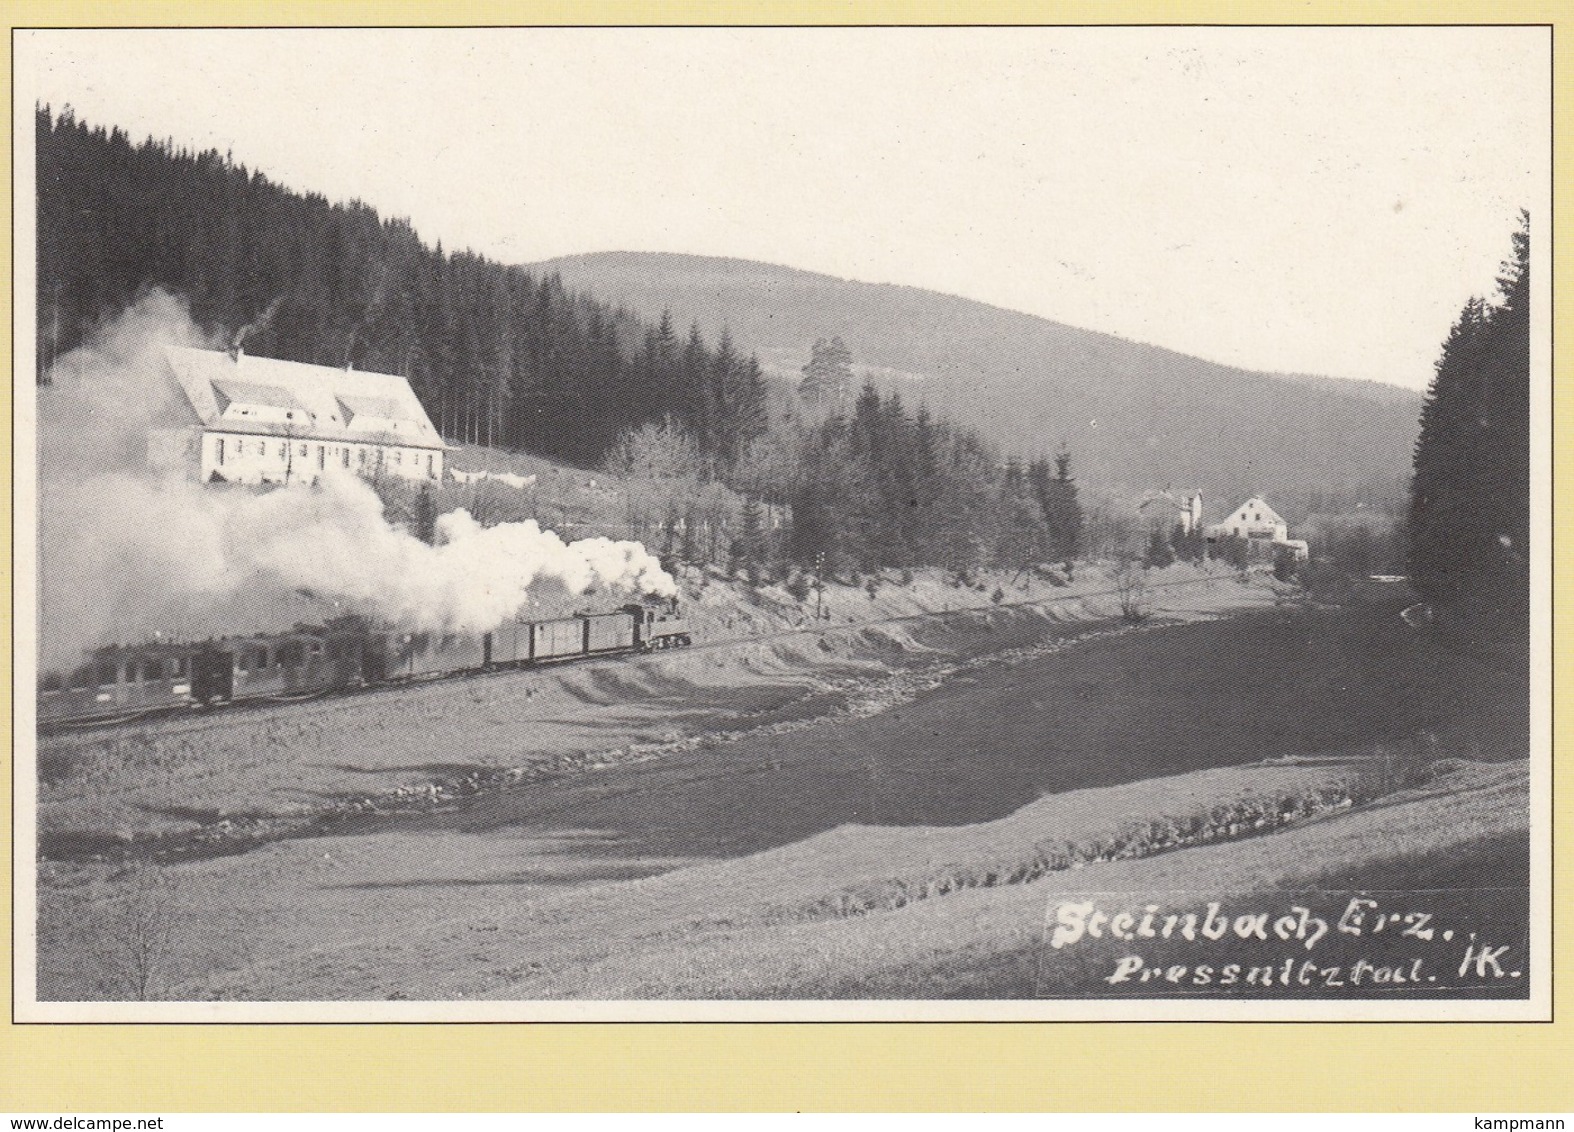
<point x="123" y="681"/>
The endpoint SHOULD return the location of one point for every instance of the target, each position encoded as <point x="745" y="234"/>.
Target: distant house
<point x="258" y="420"/>
<point x="1260" y="525"/>
<point x="1168" y="509"/>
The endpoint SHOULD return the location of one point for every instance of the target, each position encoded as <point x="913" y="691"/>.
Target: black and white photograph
<point x="782" y="523"/>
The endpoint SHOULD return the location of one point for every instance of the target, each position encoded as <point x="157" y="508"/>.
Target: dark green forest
<point x="1469" y="524"/>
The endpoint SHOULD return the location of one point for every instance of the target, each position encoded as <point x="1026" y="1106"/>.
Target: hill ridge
<point x="1381" y="388"/>
<point x="1136" y="414"/>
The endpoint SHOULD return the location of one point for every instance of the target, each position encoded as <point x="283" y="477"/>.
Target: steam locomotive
<point x="120" y="681"/>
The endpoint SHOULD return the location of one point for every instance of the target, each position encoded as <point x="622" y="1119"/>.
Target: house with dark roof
<point x="259" y="420"/>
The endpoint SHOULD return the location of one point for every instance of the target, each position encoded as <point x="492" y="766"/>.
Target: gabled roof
<point x="211" y="379"/>
<point x="1257" y="506"/>
<point x="1179" y="500"/>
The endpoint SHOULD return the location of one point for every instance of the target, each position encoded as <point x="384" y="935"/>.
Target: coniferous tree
<point x="749" y="550"/>
<point x="1062" y="513"/>
<point x="1469" y="522"/>
<point x="1189" y="545"/>
<point x="828" y="376"/>
<point x="1159" y="553"/>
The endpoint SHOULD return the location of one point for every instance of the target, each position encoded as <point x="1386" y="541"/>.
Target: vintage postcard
<point x="973" y="523"/>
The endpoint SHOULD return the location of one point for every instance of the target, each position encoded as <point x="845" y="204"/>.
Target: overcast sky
<point x="1312" y="200"/>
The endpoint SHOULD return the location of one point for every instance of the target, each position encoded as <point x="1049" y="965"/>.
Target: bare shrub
<point x="1131" y="590"/>
<point x="139" y="933"/>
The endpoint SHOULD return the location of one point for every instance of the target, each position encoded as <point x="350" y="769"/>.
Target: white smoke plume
<point x="125" y="554"/>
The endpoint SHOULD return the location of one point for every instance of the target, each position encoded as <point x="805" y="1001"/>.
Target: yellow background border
<point x="1214" y="1066"/>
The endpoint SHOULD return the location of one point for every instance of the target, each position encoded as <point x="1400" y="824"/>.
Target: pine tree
<point x="1159" y="553"/>
<point x="1469" y="522"/>
<point x="750" y="410"/>
<point x="1063" y="517"/>
<point x="749" y="547"/>
<point x="828" y="376"/>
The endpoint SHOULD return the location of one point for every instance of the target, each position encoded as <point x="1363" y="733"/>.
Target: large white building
<point x="261" y="420"/>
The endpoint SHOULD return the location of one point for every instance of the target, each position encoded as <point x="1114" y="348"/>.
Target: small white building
<point x="1260" y="525"/>
<point x="262" y="420"/>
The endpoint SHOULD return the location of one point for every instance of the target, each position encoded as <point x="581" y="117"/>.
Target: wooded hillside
<point x="499" y="355"/>
<point x="510" y="358"/>
<point x="1138" y="417"/>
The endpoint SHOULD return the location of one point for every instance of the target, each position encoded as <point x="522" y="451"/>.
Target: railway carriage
<point x="393" y="655"/>
<point x="120" y="681"/>
<point x="307" y="661"/>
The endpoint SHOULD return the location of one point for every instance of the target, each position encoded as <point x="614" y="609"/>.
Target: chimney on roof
<point x="239" y="341"/>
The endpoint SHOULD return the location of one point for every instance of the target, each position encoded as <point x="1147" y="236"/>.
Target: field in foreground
<point x="906" y="850"/>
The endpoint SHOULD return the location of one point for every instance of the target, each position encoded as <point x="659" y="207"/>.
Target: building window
<point x="346" y="457"/>
<point x="398" y="456"/>
<point x="322" y="456"/>
<point x="218" y="449"/>
<point x="429" y="471"/>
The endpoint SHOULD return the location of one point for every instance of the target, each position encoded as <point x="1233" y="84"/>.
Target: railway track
<point x="199" y="716"/>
